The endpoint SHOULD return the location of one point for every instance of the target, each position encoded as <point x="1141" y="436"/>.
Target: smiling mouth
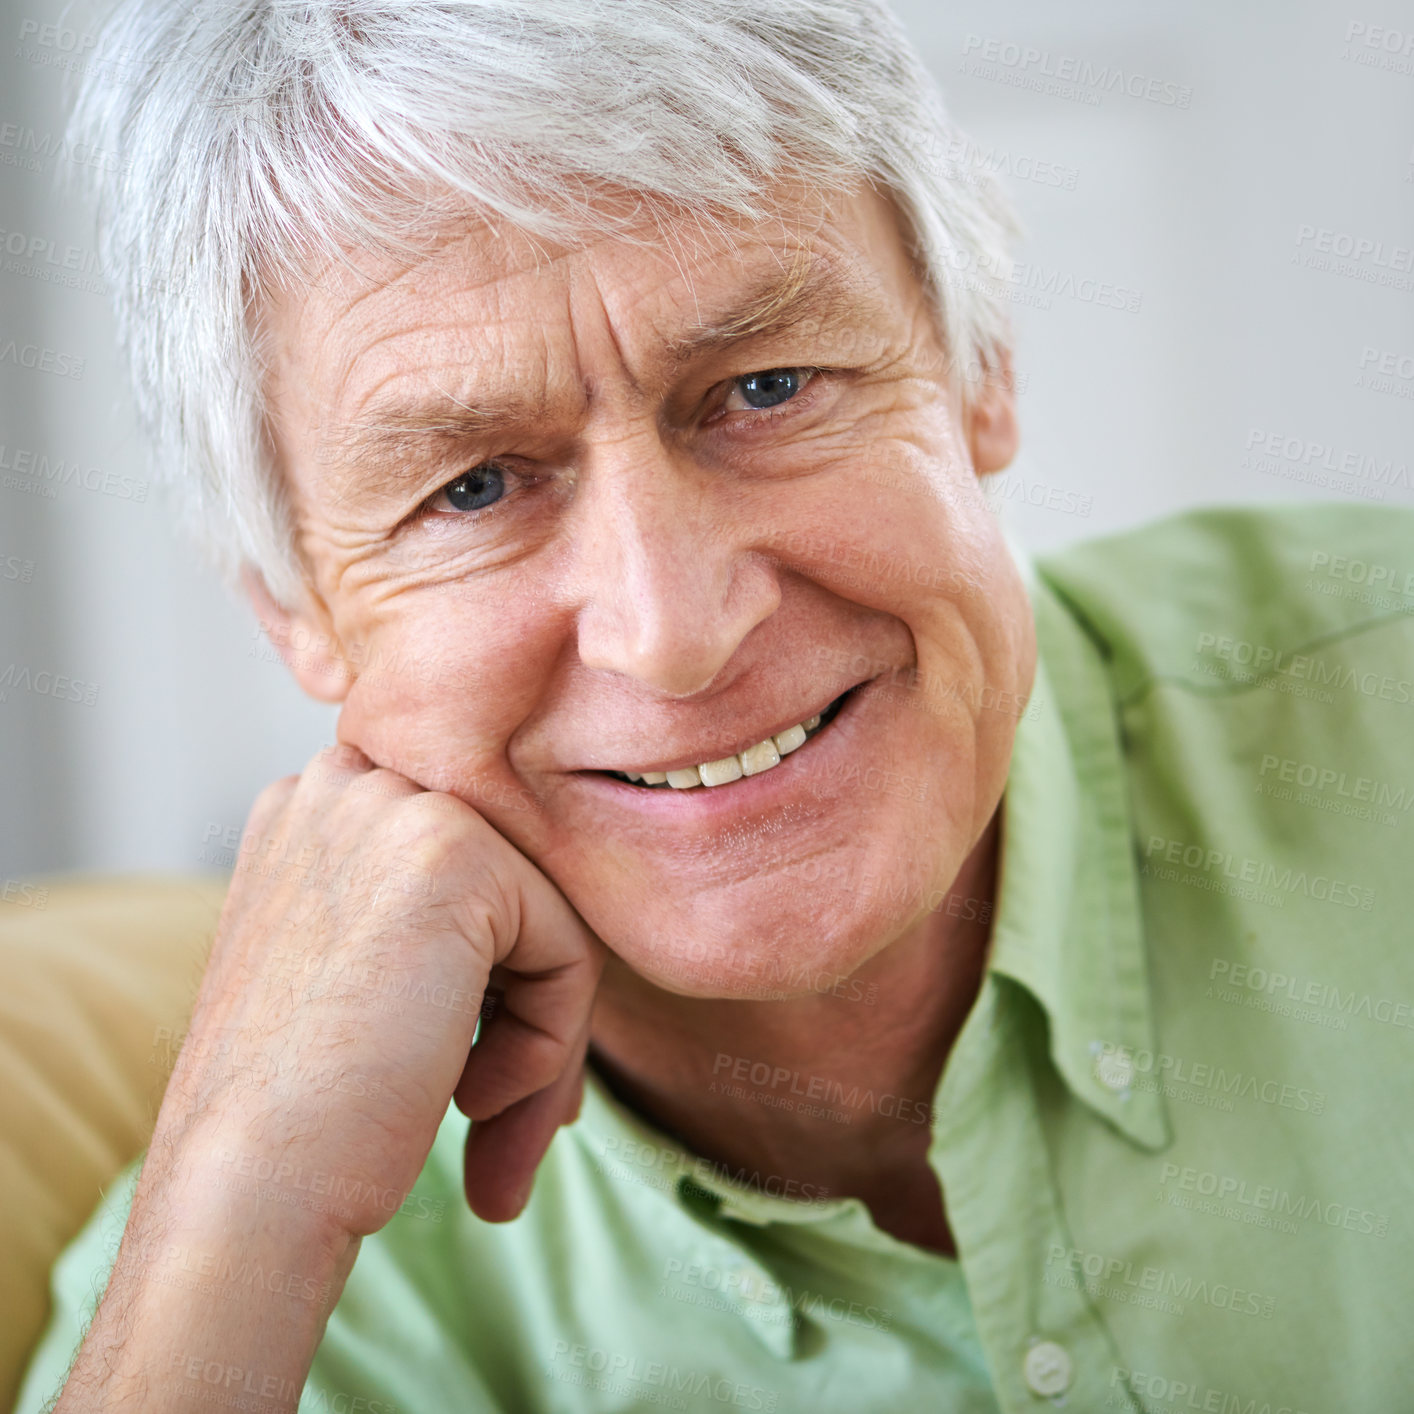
<point x="764" y="756"/>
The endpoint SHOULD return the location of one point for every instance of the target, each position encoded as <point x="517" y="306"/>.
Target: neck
<point x="831" y="1090"/>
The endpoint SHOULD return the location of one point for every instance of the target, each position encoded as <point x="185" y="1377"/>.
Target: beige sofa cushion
<point x="99" y="977"/>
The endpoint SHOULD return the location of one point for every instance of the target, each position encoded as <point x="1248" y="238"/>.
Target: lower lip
<point x="774" y="789"/>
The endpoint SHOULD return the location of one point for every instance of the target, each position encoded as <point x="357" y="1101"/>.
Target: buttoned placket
<point x="1065" y="991"/>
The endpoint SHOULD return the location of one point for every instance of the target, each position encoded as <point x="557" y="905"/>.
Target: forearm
<point x="216" y="1295"/>
<point x="237" y="1248"/>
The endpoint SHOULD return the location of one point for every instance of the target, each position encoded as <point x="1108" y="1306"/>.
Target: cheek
<point x="442" y="685"/>
<point x="906" y="532"/>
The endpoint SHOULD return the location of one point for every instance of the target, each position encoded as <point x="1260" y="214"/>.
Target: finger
<point x="261" y="826"/>
<point x="342" y="756"/>
<point x="332" y="767"/>
<point x="267" y="806"/>
<point x="548" y="964"/>
<point x="534" y="919"/>
<point x="493" y="1002"/>
<point x="502" y="1154"/>
<point x="531" y="1039"/>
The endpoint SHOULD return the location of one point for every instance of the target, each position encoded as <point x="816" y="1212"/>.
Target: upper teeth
<point x="750" y="762"/>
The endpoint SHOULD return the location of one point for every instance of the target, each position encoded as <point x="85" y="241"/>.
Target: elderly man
<point x="870" y="1012"/>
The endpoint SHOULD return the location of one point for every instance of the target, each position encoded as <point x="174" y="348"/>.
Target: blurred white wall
<point x="1192" y="159"/>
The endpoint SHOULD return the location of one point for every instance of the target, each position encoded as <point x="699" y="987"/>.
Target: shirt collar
<point x="1068" y="924"/>
<point x="627" y="1149"/>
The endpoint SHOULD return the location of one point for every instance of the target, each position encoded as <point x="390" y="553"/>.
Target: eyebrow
<point x="813" y="292"/>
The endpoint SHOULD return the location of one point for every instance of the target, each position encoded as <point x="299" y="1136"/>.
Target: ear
<point x="991" y="428"/>
<point x="309" y="647"/>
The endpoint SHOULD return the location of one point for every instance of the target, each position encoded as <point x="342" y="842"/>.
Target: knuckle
<point x="439" y="810"/>
<point x="269" y="803"/>
<point x="414" y="836"/>
<point x="333" y="764"/>
<point x="344" y="756"/>
<point x="384" y="783"/>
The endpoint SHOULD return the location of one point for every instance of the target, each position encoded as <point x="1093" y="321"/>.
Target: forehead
<point x="481" y="298"/>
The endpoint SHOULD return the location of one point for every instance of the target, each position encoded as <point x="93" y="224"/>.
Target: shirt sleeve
<point x="75" y="1285"/>
<point x="404" y="1295"/>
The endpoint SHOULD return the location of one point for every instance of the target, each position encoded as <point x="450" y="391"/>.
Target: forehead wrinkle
<point x="489" y="318"/>
<point x="772" y="298"/>
<point x="813" y="289"/>
<point x="400" y="424"/>
<point x="439" y="286"/>
<point x="432" y="431"/>
<point x="422" y="336"/>
<point x="589" y="382"/>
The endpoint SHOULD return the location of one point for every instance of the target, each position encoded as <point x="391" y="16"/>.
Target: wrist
<point x="212" y="1286"/>
<point x="224" y="1199"/>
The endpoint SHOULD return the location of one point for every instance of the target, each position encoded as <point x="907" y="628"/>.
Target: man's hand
<point x="335" y="1020"/>
<point x="364" y="922"/>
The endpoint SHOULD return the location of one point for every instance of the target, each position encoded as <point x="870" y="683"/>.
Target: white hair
<point x="255" y="136"/>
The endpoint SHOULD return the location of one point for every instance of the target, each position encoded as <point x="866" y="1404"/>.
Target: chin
<point x="797" y="933"/>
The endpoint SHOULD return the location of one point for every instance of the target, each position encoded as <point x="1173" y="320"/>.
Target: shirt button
<point x="1114" y="1070"/>
<point x="1047" y="1368"/>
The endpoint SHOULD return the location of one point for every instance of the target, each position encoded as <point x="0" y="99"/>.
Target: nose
<point x="669" y="585"/>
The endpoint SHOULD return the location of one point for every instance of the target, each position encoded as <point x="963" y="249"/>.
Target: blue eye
<point x="766" y="390"/>
<point x="474" y="490"/>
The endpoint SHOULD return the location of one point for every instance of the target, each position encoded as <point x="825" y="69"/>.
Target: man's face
<point x="573" y="513"/>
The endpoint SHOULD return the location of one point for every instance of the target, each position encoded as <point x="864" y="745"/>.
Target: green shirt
<point x="1173" y="1136"/>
